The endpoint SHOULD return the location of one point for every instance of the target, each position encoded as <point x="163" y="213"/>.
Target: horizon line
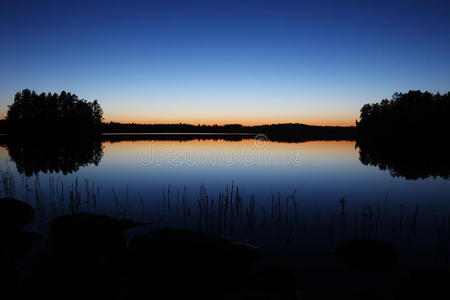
<point x="223" y="124"/>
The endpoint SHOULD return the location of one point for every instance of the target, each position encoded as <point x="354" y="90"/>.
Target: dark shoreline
<point x="284" y="131"/>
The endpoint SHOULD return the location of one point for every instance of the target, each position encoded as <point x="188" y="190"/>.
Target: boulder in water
<point x="275" y="278"/>
<point x="194" y="262"/>
<point x="75" y="277"/>
<point x="85" y="234"/>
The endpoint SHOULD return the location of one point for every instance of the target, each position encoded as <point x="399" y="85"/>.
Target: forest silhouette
<point x="286" y="131"/>
<point x="32" y="113"/>
<point x="407" y="135"/>
<point x="413" y="115"/>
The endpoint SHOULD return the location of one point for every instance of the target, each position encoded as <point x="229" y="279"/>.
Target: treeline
<point x="287" y="131"/>
<point x="49" y="113"/>
<point x="305" y="132"/>
<point x="114" y="127"/>
<point x="407" y="135"/>
<point x="414" y="114"/>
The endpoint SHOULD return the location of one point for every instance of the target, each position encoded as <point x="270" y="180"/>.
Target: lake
<point x="143" y="175"/>
<point x="285" y="197"/>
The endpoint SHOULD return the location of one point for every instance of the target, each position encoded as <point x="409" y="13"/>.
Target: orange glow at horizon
<point x="244" y="117"/>
<point x="313" y="123"/>
<point x="247" y="115"/>
<point x="249" y="121"/>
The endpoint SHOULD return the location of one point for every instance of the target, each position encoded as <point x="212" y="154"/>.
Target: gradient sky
<point x="249" y="62"/>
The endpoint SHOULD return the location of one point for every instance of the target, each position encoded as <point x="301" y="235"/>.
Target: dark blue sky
<point x="225" y="61"/>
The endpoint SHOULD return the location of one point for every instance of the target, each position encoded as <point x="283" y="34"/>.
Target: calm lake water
<point x="273" y="194"/>
<point x="295" y="200"/>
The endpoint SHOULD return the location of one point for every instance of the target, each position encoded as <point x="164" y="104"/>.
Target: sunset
<point x="222" y="149"/>
<point x="252" y="62"/>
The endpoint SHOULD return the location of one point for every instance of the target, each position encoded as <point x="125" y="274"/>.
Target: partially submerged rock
<point x="275" y="278"/>
<point x="15" y="213"/>
<point x="192" y="261"/>
<point x="75" y="277"/>
<point x="85" y="234"/>
<point x="295" y="295"/>
<point x="367" y="255"/>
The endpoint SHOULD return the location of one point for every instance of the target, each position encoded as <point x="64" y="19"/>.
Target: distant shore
<point x="287" y="131"/>
<point x="272" y="131"/>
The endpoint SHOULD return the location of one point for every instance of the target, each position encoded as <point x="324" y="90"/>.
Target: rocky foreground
<point x="92" y="258"/>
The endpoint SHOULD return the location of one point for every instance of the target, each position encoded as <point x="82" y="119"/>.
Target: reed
<point x="230" y="211"/>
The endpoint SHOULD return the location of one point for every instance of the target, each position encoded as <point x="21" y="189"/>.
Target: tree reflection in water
<point x="405" y="158"/>
<point x="65" y="155"/>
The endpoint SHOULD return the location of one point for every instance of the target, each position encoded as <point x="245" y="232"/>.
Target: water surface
<point x="262" y="191"/>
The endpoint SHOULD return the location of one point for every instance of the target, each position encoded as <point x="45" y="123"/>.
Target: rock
<point x="86" y="234"/>
<point x="275" y="278"/>
<point x="15" y="213"/>
<point x="75" y="277"/>
<point x="276" y="295"/>
<point x="367" y="255"/>
<point x="274" y="282"/>
<point x="191" y="261"/>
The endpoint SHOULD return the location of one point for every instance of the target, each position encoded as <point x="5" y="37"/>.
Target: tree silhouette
<point x="53" y="113"/>
<point x="415" y="114"/>
<point x="407" y="135"/>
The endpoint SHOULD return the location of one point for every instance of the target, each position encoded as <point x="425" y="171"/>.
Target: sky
<point x="215" y="62"/>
